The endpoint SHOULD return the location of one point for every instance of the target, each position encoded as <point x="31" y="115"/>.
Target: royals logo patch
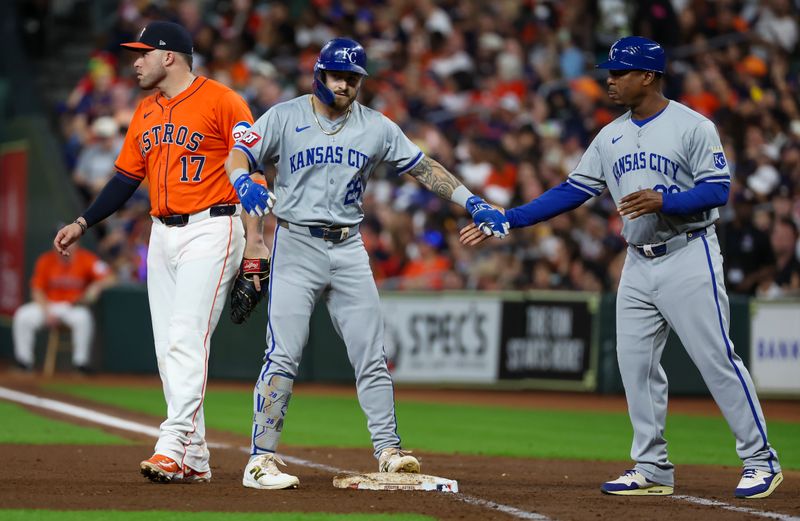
<point x="719" y="160"/>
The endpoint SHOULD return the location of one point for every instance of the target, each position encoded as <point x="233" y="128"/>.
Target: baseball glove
<point x="244" y="296"/>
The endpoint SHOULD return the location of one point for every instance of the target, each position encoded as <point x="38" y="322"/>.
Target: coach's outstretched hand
<point x="489" y="220"/>
<point x="256" y="200"/>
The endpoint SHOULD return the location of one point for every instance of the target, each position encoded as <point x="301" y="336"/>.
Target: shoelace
<point x="629" y="472"/>
<point x="271" y="458"/>
<point x="749" y="473"/>
<point x="392" y="452"/>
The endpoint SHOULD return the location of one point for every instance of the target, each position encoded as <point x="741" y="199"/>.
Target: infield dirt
<point x="73" y="477"/>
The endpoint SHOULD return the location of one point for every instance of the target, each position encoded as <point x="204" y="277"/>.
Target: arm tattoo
<point x="435" y="178"/>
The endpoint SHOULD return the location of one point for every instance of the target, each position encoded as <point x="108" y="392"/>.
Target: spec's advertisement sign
<point x="542" y="339"/>
<point x="775" y="347"/>
<point x="442" y="338"/>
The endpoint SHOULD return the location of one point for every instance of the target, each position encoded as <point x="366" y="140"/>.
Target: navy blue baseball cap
<point x="166" y="36"/>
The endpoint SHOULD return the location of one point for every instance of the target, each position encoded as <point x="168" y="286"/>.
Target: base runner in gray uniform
<point x="325" y="147"/>
<point x="665" y="168"/>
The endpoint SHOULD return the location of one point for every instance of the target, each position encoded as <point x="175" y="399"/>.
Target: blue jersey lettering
<point x="328" y="155"/>
<point x="644" y="161"/>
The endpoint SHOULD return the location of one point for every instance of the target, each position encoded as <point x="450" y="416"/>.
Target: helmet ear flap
<point x="321" y="91"/>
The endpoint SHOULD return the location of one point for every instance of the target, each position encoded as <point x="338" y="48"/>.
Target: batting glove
<point x="256" y="200"/>
<point x="489" y="220"/>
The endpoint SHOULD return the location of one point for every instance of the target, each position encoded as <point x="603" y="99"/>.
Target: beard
<point x="341" y="103"/>
<point x="150" y="81"/>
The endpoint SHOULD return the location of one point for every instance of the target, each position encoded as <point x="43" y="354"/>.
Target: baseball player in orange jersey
<point x="179" y="138"/>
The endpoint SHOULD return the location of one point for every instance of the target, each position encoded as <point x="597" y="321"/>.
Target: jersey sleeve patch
<point x="240" y="130"/>
<point x="719" y="160"/>
<point x="250" y="138"/>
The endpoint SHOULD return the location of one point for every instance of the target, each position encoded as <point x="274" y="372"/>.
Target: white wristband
<point x="460" y="196"/>
<point x="237" y="173"/>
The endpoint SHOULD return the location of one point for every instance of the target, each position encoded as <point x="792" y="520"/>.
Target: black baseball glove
<point x="244" y="295"/>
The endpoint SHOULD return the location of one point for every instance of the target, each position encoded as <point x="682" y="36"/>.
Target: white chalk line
<point x="734" y="508"/>
<point x="119" y="423"/>
<point x="126" y="425"/>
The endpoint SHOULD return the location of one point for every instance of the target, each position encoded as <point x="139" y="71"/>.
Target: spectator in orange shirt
<point x="427" y="270"/>
<point x="61" y="287"/>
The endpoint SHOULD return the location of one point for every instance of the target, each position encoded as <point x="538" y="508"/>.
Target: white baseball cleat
<point x="757" y="483"/>
<point x="262" y="472"/>
<point x="393" y="459"/>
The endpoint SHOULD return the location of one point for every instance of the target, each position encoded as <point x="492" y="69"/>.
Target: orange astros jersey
<point x="181" y="145"/>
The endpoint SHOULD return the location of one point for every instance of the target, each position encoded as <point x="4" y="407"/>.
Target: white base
<point x="395" y="481"/>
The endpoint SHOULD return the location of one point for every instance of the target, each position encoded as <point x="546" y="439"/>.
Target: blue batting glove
<point x="489" y="220"/>
<point x="256" y="200"/>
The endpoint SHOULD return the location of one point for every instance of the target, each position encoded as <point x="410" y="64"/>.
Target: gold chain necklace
<point x="329" y="132"/>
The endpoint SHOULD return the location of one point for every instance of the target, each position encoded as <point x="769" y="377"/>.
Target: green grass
<point x="116" y="515"/>
<point x="448" y="428"/>
<point x="24" y="427"/>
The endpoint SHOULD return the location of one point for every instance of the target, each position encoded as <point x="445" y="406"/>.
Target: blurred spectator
<point x="504" y="94"/>
<point x="61" y="288"/>
<point x="126" y="238"/>
<point x="777" y="24"/>
<point x="748" y="254"/>
<point x="427" y="266"/>
<point x="96" y="160"/>
<point x="786" y="282"/>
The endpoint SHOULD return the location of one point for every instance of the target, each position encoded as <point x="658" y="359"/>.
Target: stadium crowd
<point x="506" y="96"/>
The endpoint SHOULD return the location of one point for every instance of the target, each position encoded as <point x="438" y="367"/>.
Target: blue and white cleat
<point x="633" y="483"/>
<point x="757" y="484"/>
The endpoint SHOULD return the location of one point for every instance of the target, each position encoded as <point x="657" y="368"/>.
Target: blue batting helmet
<point x="635" y="53"/>
<point x="339" y="54"/>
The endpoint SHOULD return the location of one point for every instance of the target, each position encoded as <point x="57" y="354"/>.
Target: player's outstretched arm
<point x="110" y="199"/>
<point x="433" y="176"/>
<point x="438" y="180"/>
<point x="256" y="200"/>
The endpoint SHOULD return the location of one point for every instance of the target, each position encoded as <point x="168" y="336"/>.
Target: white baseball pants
<point x="189" y="272"/>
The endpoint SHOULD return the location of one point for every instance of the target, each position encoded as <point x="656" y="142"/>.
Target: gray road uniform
<point x="672" y="279"/>
<point x="318" y="251"/>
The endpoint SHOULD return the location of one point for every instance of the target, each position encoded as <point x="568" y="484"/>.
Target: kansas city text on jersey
<point x="167" y="134"/>
<point x="643" y="160"/>
<point x="327" y="155"/>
